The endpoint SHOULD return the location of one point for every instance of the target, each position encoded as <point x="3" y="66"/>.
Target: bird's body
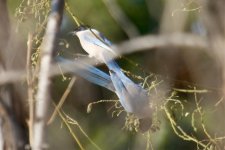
<point x="94" y="44"/>
<point x="132" y="96"/>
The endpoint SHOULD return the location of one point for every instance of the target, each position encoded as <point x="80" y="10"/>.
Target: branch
<point x="30" y="87"/>
<point x="169" y="19"/>
<point x="43" y="97"/>
<point x="12" y="118"/>
<point x="143" y="43"/>
<point x="4" y="25"/>
<point x="62" y="100"/>
<point x="149" y="42"/>
<point x="119" y="16"/>
<point x="213" y="15"/>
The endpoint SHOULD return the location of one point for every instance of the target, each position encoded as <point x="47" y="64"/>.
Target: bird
<point x="132" y="96"/>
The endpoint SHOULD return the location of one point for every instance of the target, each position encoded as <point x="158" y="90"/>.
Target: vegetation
<point x="174" y="49"/>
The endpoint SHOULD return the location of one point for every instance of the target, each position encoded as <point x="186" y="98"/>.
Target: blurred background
<point x="186" y="83"/>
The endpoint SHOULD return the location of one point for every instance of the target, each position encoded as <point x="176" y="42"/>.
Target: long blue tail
<point x="113" y="66"/>
<point x="90" y="73"/>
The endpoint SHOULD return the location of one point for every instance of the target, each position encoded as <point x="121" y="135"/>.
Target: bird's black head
<point x="79" y="28"/>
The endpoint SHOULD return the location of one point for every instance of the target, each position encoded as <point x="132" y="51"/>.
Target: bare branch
<point x="161" y="41"/>
<point x="1" y="134"/>
<point x="4" y="25"/>
<point x="143" y="43"/>
<point x="119" y="16"/>
<point x="30" y="88"/>
<point x="169" y="18"/>
<point x="43" y="97"/>
<point x="12" y="76"/>
<point x="11" y="112"/>
<point x="213" y="15"/>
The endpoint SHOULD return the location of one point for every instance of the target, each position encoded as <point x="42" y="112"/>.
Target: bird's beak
<point x="72" y="33"/>
<point x="79" y="28"/>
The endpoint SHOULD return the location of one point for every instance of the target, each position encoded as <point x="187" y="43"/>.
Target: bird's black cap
<point x="81" y="28"/>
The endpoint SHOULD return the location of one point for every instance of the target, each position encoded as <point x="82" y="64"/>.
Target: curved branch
<point x="149" y="42"/>
<point x="143" y="43"/>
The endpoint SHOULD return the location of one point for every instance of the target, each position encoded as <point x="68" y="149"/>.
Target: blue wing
<point x="98" y="42"/>
<point x="99" y="39"/>
<point x="109" y="43"/>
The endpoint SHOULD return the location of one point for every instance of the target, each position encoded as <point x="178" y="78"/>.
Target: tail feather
<point x="110" y="62"/>
<point x="90" y="73"/>
<point x="112" y="65"/>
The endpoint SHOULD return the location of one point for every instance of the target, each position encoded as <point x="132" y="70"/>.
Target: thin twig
<point x="62" y="100"/>
<point x="73" y="16"/>
<point x="199" y="109"/>
<point x="74" y="122"/>
<point x="69" y="128"/>
<point x="180" y="132"/>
